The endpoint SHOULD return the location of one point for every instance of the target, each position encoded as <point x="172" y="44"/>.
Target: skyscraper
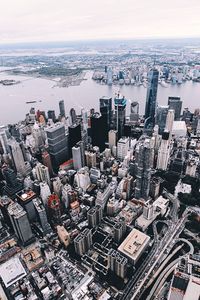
<point x="106" y="110"/>
<point x="169" y="120"/>
<point x="58" y="146"/>
<point x="99" y="132"/>
<point x="74" y="136"/>
<point x="51" y="115"/>
<point x="122" y="147"/>
<point x="134" y="115"/>
<point x="73" y="115"/>
<point x="175" y="103"/>
<point x="109" y="76"/>
<point x="41" y="173"/>
<point x="144" y="154"/>
<point x="94" y="216"/>
<point x="62" y="108"/>
<point x="78" y="156"/>
<point x="13" y="185"/>
<point x="117" y="263"/>
<point x="4" y="139"/>
<point x="150" y="109"/>
<point x="163" y="152"/>
<point x="161" y="118"/>
<point x="83" y="242"/>
<point x="17" y="157"/>
<point x="120" y="114"/>
<point x="20" y="223"/>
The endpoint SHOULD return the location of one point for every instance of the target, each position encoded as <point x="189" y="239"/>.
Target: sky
<point x="68" y="20"/>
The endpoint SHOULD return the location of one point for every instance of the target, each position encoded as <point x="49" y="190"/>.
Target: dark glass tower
<point x="58" y="144"/>
<point x="150" y="109"/>
<point x="175" y="103"/>
<point x="161" y="118"/>
<point x="98" y="131"/>
<point x="120" y="114"/>
<point x="106" y="110"/>
<point x="73" y="115"/>
<point x="74" y="136"/>
<point x="13" y="185"/>
<point x="144" y="154"/>
<point x="51" y="115"/>
<point x="62" y="108"/>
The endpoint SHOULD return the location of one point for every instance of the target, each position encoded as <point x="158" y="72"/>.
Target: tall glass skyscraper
<point x="150" y="108"/>
<point x="120" y="114"/>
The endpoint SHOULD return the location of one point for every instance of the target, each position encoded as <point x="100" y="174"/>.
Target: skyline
<point x="46" y="21"/>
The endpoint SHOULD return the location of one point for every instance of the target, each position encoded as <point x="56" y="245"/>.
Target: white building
<point x="82" y="178"/>
<point x="122" y="147"/>
<point x="112" y="138"/>
<point x="164" y="152"/>
<point x="170" y="120"/>
<point x="41" y="173"/>
<point x="179" y="129"/>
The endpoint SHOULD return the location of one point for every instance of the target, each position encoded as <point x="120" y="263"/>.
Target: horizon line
<point x="100" y="40"/>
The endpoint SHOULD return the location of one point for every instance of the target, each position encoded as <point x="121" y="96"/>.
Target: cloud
<point x="49" y="20"/>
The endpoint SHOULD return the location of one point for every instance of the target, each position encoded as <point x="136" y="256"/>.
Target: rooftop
<point x="11" y="271"/>
<point x="134" y="244"/>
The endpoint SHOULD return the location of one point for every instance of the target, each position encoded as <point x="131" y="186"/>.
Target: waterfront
<point x="13" y="98"/>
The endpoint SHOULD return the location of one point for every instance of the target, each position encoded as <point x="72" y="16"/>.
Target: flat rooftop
<point x="11" y="271"/>
<point x="134" y="244"/>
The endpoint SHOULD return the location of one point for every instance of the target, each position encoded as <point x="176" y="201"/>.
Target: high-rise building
<point x="41" y="173"/>
<point x="119" y="229"/>
<point x="134" y="115"/>
<point x="58" y="144"/>
<point x="74" y="136"/>
<point x="112" y="138"/>
<point x="144" y="155"/>
<point x="164" y="152"/>
<point x="73" y="115"/>
<point x="120" y="114"/>
<point x="82" y="178"/>
<point x="90" y="159"/>
<point x="20" y="165"/>
<point x="99" y="133"/>
<point x="117" y="263"/>
<point x="150" y="109"/>
<point x="62" y="108"/>
<point x="20" y="223"/>
<point x="169" y="120"/>
<point x="41" y="215"/>
<point x="106" y="110"/>
<point x="44" y="192"/>
<point x="161" y="118"/>
<point x="109" y="76"/>
<point x="25" y="199"/>
<point x="175" y="103"/>
<point x="94" y="216"/>
<point x="148" y="210"/>
<point x="122" y="147"/>
<point x="13" y="185"/>
<point x="46" y="160"/>
<point x="51" y="115"/>
<point x="4" y="139"/>
<point x="78" y="156"/>
<point x="83" y="242"/>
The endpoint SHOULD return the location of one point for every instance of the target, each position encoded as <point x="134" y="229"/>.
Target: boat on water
<point x="29" y="102"/>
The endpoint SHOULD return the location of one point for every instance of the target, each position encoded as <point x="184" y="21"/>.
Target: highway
<point x="160" y="250"/>
<point x="171" y="235"/>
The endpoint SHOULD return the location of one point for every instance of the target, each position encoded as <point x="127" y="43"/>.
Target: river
<point x="13" y="107"/>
